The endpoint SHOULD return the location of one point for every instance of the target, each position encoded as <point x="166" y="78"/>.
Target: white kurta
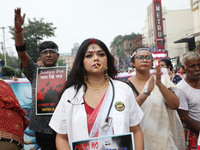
<point x="189" y="100"/>
<point x="70" y="118"/>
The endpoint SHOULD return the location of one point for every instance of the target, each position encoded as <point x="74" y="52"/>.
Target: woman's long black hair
<point x="77" y="73"/>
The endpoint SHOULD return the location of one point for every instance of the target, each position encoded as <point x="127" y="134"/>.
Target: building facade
<point x="70" y="57"/>
<point x="195" y="8"/>
<point x="123" y="51"/>
<point x="176" y="24"/>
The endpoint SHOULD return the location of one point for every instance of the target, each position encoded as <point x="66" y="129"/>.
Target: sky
<point x="77" y="20"/>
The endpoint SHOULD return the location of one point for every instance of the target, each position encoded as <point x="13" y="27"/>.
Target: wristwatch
<point x="145" y="92"/>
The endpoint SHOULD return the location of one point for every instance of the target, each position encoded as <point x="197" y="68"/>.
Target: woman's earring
<point x="106" y="74"/>
<point x="85" y="78"/>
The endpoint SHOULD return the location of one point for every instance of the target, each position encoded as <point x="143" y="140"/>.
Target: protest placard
<point x="115" y="142"/>
<point x="50" y="83"/>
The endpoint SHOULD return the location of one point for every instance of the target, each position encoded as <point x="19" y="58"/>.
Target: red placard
<point x="50" y="83"/>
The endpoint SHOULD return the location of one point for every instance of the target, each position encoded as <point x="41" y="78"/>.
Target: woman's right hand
<point x="19" y="20"/>
<point x="151" y="85"/>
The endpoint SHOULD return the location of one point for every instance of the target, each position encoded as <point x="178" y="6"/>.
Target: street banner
<point x="158" y="24"/>
<point x="115" y="142"/>
<point x="50" y="83"/>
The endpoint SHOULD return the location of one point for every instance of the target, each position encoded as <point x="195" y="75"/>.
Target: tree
<point x="117" y="44"/>
<point x="12" y="61"/>
<point x="131" y="36"/>
<point x="117" y="41"/>
<point x="120" y="50"/>
<point x="8" y="71"/>
<point x="2" y="59"/>
<point x="61" y="62"/>
<point x="34" y="32"/>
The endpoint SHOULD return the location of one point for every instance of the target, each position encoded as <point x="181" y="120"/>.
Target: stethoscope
<point x="108" y="119"/>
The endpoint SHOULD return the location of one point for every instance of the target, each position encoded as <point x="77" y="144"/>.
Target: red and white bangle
<point x="17" y="30"/>
<point x="183" y="118"/>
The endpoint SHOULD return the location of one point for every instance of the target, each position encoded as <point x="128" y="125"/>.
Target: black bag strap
<point x="132" y="86"/>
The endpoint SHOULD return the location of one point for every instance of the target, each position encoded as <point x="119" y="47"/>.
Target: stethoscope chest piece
<point x="105" y="126"/>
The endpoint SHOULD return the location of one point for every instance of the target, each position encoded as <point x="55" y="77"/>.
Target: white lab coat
<point x="70" y="117"/>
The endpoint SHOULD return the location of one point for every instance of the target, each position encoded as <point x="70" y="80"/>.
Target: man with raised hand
<point x="45" y="136"/>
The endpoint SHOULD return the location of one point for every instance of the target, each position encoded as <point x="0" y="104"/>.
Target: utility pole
<point x="4" y="47"/>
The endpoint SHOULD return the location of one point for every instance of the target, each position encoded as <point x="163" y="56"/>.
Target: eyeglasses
<point x="50" y="52"/>
<point x="141" y="58"/>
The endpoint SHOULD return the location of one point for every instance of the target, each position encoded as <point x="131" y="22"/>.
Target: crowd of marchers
<point x="161" y="108"/>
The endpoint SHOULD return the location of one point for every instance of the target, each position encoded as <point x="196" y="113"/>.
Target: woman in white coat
<point x="93" y="98"/>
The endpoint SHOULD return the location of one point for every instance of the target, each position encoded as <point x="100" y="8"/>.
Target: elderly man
<point x="45" y="136"/>
<point x="189" y="96"/>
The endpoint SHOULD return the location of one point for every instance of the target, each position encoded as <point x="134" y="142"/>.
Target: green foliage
<point x="12" y="61"/>
<point x="121" y="49"/>
<point x="117" y="44"/>
<point x="120" y="39"/>
<point x="2" y="59"/>
<point x="34" y="32"/>
<point x="9" y="71"/>
<point x="131" y="36"/>
<point x="1" y="56"/>
<point x="61" y="62"/>
<point x="19" y="73"/>
<point x="117" y="41"/>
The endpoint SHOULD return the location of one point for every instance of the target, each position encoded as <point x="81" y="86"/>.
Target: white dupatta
<point x="161" y="126"/>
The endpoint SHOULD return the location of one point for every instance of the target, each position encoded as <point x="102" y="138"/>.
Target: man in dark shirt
<point x="45" y="136"/>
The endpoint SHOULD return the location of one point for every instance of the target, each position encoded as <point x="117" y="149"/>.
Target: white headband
<point x="141" y="49"/>
<point x="49" y="49"/>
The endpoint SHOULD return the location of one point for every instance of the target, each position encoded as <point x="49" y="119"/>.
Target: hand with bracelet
<point x="19" y="20"/>
<point x="150" y="86"/>
<point x="146" y="92"/>
<point x="49" y="54"/>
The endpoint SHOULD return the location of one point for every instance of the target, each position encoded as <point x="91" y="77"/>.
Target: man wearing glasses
<point x="189" y="93"/>
<point x="45" y="136"/>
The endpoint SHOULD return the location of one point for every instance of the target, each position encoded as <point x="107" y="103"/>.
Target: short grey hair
<point x="191" y="55"/>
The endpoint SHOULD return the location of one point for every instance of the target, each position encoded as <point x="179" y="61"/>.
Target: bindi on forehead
<point x="93" y="47"/>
